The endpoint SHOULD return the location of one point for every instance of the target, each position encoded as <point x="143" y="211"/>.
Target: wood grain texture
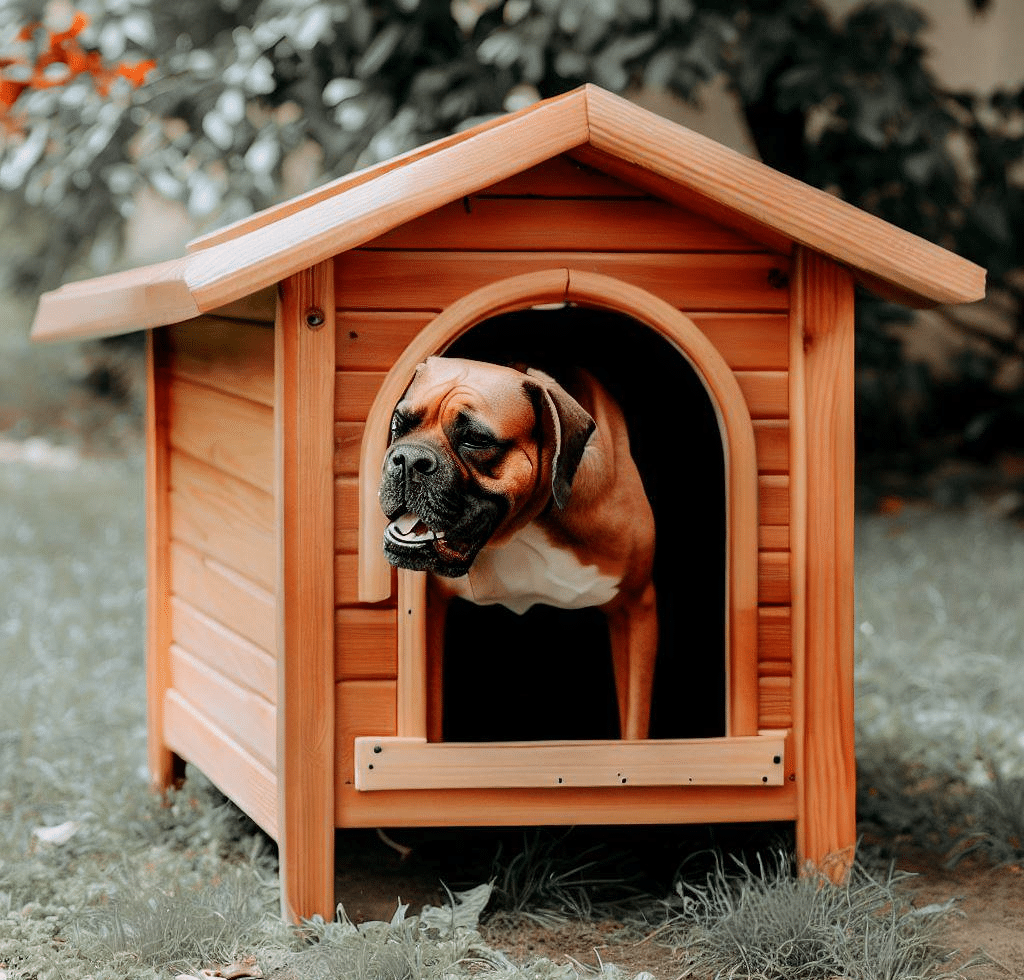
<point x="808" y="216"/>
<point x="239" y="660"/>
<point x="826" y="831"/>
<point x="234" y="356"/>
<point x="552" y="807"/>
<point x="562" y="176"/>
<point x="304" y="442"/>
<point x="415" y="764"/>
<point x="772" y="438"/>
<point x="554" y="117"/>
<point x="224" y="517"/>
<point x="224" y="595"/>
<point x="196" y="735"/>
<point x="546" y="224"/>
<point x="366" y="644"/>
<point x="773" y="578"/>
<point x="362" y="707"/>
<point x="163" y="767"/>
<point x="372" y="340"/>
<point x="233" y="434"/>
<point x="434" y="280"/>
<point x="598" y="129"/>
<point x="775" y="639"/>
<point x="775" y="701"/>
<point x="244" y="716"/>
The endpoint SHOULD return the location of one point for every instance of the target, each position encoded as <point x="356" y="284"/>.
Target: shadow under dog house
<point x="287" y="660"/>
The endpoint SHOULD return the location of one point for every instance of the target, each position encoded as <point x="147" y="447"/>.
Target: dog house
<point x="287" y="660"/>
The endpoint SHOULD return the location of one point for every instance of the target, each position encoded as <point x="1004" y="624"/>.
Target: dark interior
<point x="547" y="674"/>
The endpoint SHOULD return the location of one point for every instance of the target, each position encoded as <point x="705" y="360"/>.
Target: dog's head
<point x="477" y="450"/>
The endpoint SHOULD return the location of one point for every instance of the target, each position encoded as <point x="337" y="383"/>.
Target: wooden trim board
<point x="410" y="763"/>
<point x="304" y="468"/>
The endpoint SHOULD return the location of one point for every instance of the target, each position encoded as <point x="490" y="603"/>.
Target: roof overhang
<point x="588" y="123"/>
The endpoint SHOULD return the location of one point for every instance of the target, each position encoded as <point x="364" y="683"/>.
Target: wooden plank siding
<point x="220" y="707"/>
<point x="733" y="289"/>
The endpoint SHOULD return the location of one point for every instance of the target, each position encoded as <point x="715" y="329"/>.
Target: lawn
<point x="100" y="879"/>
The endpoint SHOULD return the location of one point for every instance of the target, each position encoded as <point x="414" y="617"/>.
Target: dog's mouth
<point x="409" y="531"/>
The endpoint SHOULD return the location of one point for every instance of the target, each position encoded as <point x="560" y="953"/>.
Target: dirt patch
<point x="989" y="922"/>
<point x="986" y="928"/>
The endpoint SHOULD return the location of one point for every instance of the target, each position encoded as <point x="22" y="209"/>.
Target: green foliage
<point x="847" y="104"/>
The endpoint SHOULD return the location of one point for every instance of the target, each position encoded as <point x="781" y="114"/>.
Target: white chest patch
<point x="528" y="569"/>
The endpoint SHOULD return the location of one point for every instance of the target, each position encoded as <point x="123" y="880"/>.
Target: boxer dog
<point x="512" y="489"/>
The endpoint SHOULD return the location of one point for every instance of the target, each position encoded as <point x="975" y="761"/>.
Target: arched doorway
<point x="624" y="310"/>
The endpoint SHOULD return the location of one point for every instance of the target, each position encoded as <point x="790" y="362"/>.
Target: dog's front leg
<point x="633" y="631"/>
<point x="438" y="601"/>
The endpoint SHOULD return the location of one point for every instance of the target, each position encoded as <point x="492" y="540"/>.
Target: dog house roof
<point x="597" y="128"/>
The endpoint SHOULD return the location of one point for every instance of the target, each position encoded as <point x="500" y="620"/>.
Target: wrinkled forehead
<point x="450" y="384"/>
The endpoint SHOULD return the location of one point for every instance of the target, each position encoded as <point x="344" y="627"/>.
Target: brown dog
<point x="515" y="491"/>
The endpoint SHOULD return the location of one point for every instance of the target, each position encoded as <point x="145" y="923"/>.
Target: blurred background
<point x="129" y="126"/>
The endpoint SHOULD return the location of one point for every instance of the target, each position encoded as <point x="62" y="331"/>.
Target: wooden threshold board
<point x="387" y="763"/>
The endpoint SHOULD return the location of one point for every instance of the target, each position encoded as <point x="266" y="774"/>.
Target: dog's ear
<point x="569" y="427"/>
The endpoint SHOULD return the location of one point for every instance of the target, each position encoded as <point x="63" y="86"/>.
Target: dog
<point x="512" y="489"/>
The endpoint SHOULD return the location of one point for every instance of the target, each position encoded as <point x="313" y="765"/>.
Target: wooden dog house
<point x="286" y="659"/>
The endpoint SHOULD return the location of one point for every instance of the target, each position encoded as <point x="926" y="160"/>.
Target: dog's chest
<point x="529" y="569"/>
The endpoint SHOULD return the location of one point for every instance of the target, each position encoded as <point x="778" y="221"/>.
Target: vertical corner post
<point x="304" y="370"/>
<point x="826" y="824"/>
<point x="165" y="768"/>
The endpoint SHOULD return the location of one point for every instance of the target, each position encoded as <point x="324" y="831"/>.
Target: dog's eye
<point x="477" y="442"/>
<point x="401" y="423"/>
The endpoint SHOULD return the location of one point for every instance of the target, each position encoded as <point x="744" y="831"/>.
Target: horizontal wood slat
<point x="404" y="763"/>
<point x="227" y="597"/>
<point x="775" y="702"/>
<point x="773" y="578"/>
<point x="366" y="644"/>
<point x="225" y="518"/>
<point x="433" y="280"/>
<point x="346" y="584"/>
<point x="346" y="514"/>
<point x="773" y="500"/>
<point x="237" y="658"/>
<point x="244" y="716"/>
<point x="771" y="437"/>
<point x="766" y="393"/>
<point x="194" y="736"/>
<point x="234" y="356"/>
<point x="372" y="340"/>
<point x="547" y="224"/>
<point x="258" y="306"/>
<point x="361" y="707"/>
<point x="348" y="441"/>
<point x="233" y="434"/>
<point x="561" y="177"/>
<point x="775" y="638"/>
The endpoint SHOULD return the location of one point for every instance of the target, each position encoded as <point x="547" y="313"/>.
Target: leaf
<point x="380" y="50"/>
<point x="60" y="834"/>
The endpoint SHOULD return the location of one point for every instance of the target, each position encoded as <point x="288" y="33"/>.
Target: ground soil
<point x="984" y="933"/>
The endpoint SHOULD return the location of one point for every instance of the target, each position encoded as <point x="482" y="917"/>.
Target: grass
<point x="763" y="922"/>
<point x="144" y="889"/>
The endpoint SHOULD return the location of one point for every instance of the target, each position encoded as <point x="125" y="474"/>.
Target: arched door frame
<point x="737" y="431"/>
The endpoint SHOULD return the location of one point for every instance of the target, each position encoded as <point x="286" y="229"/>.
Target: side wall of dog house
<point x="556" y="215"/>
<point x="214" y="388"/>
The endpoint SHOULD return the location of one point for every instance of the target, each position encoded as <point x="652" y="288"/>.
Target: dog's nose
<point x="414" y="461"/>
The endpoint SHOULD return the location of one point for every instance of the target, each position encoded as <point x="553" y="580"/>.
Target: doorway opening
<point x="547" y="674"/>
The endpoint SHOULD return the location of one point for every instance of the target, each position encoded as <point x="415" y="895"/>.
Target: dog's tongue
<point x="410" y="527"/>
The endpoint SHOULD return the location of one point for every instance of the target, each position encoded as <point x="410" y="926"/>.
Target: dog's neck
<point x="529" y="569"/>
